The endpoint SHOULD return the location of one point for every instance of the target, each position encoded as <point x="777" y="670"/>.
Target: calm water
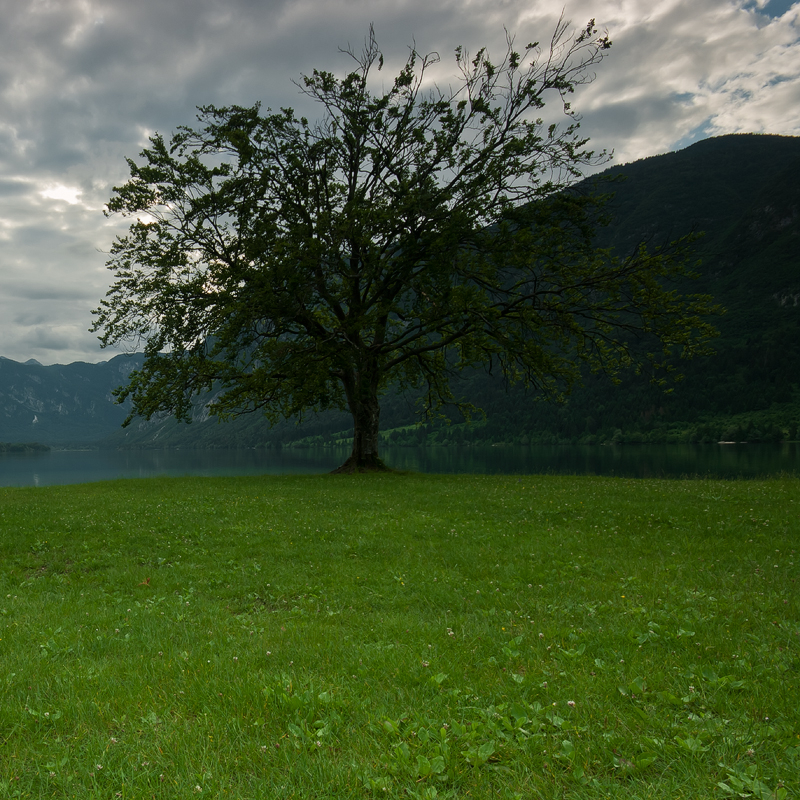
<point x="638" y="461"/>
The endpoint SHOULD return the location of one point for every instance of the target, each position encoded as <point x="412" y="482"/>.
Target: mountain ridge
<point x="742" y="190"/>
<point x="62" y="404"/>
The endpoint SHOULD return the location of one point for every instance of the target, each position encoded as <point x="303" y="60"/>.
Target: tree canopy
<point x="410" y="232"/>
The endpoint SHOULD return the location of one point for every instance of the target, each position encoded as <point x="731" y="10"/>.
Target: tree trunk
<point x="362" y="398"/>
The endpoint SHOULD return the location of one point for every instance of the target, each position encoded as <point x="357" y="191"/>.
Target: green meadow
<point x="401" y="636"/>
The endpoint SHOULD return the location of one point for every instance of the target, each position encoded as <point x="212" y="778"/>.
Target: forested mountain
<point x="741" y="191"/>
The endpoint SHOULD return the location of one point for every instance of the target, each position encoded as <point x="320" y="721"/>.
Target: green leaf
<point x="643" y="762"/>
<point x="485" y="751"/>
<point x="518" y="714"/>
<point x="438" y="765"/>
<point x="637" y="685"/>
<point x="294" y="730"/>
<point x="710" y="675"/>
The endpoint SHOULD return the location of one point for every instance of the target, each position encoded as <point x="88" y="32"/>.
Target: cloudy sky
<point x="84" y="82"/>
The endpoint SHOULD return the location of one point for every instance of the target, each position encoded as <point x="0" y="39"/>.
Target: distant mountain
<point x="742" y="191"/>
<point x="61" y="404"/>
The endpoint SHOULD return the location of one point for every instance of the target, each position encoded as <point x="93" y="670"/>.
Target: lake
<point x="637" y="461"/>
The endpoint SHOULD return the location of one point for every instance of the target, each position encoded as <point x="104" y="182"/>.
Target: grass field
<point x="400" y="636"/>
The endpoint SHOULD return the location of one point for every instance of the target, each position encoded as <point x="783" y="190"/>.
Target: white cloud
<point x="69" y="194"/>
<point x="83" y="82"/>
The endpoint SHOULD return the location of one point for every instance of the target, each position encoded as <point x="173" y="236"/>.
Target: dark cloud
<point x="14" y="188"/>
<point x="42" y="290"/>
<point x="48" y="338"/>
<point x="84" y="82"/>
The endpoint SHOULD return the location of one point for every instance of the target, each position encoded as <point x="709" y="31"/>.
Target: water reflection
<point x="638" y="461"/>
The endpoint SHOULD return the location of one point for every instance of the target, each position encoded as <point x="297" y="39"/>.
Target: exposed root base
<point x="368" y="464"/>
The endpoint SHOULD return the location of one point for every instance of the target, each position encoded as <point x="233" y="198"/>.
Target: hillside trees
<point x="409" y="233"/>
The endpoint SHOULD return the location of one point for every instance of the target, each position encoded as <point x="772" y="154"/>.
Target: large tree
<point x="409" y="233"/>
